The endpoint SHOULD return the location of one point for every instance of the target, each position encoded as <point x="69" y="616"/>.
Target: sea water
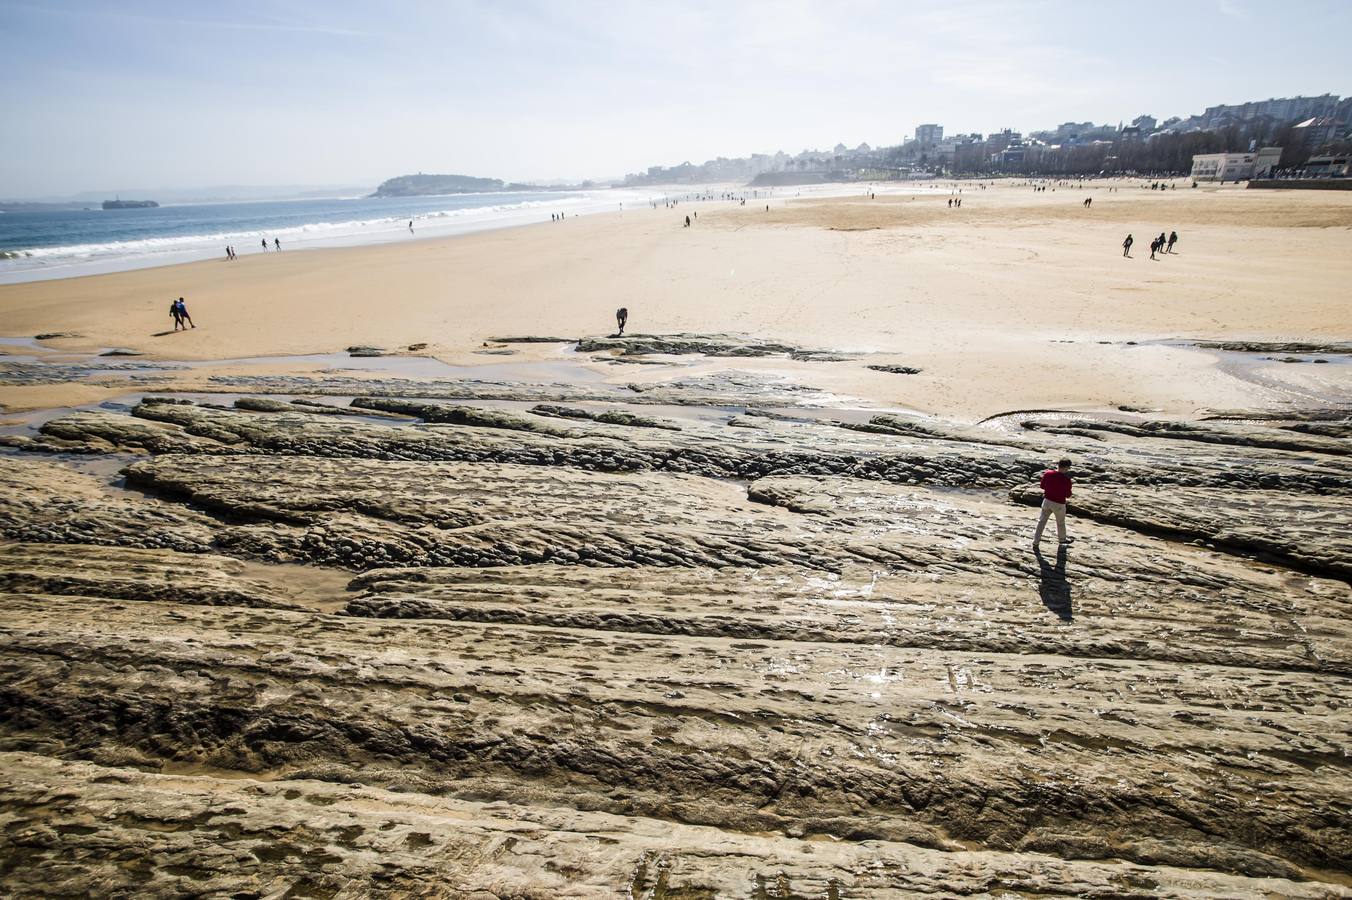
<point x="62" y="243"/>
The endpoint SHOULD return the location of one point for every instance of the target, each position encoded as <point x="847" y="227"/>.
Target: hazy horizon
<point x="186" y="97"/>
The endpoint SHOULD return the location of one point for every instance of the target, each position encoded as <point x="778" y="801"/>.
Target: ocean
<point x="58" y="244"/>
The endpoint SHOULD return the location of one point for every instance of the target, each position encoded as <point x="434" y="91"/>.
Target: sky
<point x="115" y="96"/>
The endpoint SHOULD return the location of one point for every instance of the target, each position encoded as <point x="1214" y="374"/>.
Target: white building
<point x="1327" y="167"/>
<point x="929" y="134"/>
<point x="1234" y="166"/>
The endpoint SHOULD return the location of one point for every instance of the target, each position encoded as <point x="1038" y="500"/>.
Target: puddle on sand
<point x="320" y="589"/>
<point x="30" y="347"/>
<point x="566" y="371"/>
<point x="1314" y="379"/>
<point x="563" y="371"/>
<point x="1013" y="421"/>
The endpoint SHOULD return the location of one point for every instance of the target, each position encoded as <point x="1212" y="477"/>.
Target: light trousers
<point x="1050" y="507"/>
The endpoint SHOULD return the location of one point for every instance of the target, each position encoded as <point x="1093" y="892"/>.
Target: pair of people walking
<point x="178" y="311"/>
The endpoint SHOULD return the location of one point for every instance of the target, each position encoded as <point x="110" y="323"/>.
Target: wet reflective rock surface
<point x="546" y="642"/>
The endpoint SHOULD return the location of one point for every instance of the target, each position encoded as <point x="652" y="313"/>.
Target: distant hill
<point x="421" y="185"/>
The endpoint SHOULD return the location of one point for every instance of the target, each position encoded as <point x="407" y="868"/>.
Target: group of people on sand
<point x="954" y="202"/>
<point x="1162" y="244"/>
<point x="230" y="253"/>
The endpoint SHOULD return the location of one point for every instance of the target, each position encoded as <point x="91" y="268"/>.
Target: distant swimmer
<point x="1126" y="245"/>
<point x="622" y="317"/>
<point x="277" y="243"/>
<point x="1173" y="239"/>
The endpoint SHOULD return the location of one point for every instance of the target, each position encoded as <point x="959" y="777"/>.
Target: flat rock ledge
<point x="533" y="641"/>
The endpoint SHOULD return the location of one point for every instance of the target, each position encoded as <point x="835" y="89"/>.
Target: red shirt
<point x="1055" y="486"/>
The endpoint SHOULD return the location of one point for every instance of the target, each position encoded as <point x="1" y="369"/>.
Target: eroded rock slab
<point x="1315" y="538"/>
<point x="704" y="344"/>
<point x="162" y="835"/>
<point x="1233" y="434"/>
<point x="589" y="655"/>
<point x="859" y="742"/>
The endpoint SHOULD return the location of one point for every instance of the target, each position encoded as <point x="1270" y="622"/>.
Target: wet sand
<point x="1017" y="300"/>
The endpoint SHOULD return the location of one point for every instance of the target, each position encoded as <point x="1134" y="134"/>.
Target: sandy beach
<point x="1016" y="300"/>
<point x="745" y="603"/>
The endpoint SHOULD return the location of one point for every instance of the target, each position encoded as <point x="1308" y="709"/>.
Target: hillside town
<point x="1286" y="137"/>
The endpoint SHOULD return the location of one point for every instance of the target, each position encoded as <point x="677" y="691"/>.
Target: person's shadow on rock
<point x="1053" y="587"/>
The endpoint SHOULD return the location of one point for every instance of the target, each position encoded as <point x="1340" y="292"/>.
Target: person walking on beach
<point x="687" y="221"/>
<point x="621" y="317"/>
<point x="1173" y="239"/>
<point x="183" y="312"/>
<point x="1056" y="486"/>
<point x="1154" y="246"/>
<point x="175" y="315"/>
<point x="277" y="242"/>
<point x="410" y="226"/>
<point x="1126" y="246"/>
<point x="265" y="245"/>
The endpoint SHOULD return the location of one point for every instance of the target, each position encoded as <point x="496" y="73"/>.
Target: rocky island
<point x="421" y="185"/>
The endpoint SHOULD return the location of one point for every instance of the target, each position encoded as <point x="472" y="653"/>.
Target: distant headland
<point x="421" y="185"/>
<point x="130" y="204"/>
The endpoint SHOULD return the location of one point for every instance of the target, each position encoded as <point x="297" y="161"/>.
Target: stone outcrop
<point x="717" y="345"/>
<point x="1314" y="539"/>
<point x="538" y="643"/>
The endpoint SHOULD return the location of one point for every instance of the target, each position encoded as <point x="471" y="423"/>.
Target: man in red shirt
<point x="1055" y="492"/>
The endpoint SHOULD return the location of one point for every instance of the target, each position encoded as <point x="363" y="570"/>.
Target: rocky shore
<point x="354" y="637"/>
